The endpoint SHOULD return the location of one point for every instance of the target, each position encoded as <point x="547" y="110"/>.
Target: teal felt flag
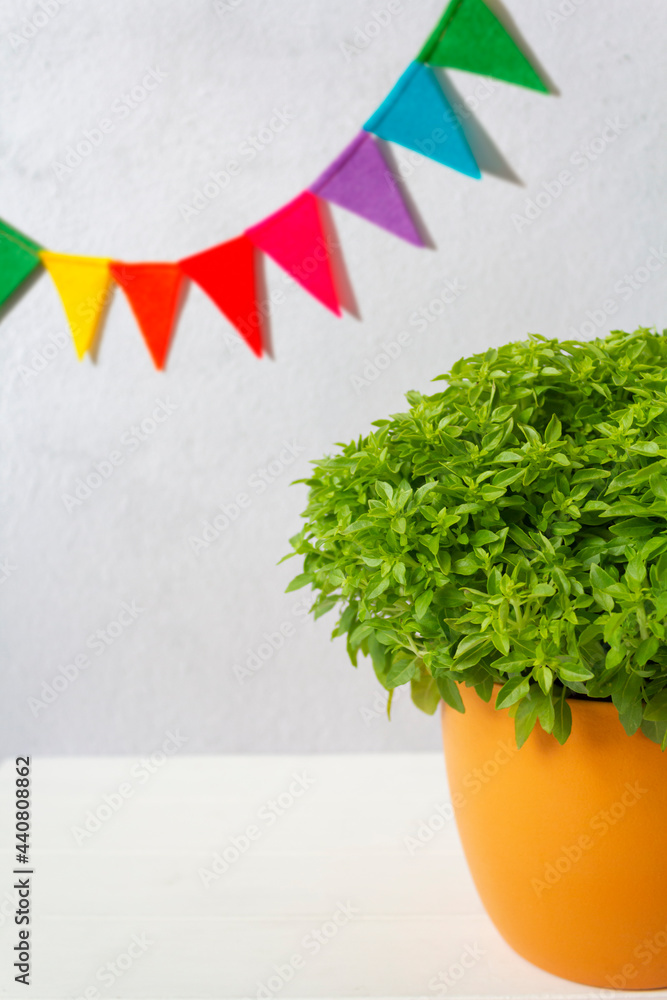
<point x="417" y="115"/>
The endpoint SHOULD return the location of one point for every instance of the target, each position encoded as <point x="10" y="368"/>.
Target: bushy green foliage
<point x="509" y="530"/>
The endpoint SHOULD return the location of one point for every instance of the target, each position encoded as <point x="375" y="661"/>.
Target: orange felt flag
<point x="153" y="293"/>
<point x="227" y="274"/>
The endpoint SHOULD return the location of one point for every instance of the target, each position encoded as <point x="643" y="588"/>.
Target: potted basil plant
<point x="501" y="547"/>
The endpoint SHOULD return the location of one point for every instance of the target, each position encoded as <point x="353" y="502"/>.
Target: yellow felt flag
<point x="83" y="284"/>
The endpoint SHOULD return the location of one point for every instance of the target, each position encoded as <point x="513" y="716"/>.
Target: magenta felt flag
<point x="295" y="239"/>
<point x="360" y="180"/>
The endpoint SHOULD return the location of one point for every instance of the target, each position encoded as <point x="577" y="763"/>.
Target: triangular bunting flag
<point x="470" y="37"/>
<point x="295" y="239"/>
<point x="19" y="257"/>
<point x="227" y="274"/>
<point x="83" y="284"/>
<point x="417" y="115"/>
<point x="152" y="291"/>
<point x="361" y="181"/>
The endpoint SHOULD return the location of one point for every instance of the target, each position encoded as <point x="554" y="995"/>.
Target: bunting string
<point x="415" y="114"/>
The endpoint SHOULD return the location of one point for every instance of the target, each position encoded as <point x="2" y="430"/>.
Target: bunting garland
<point x="415" y="114"/>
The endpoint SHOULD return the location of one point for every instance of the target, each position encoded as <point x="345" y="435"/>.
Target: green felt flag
<point x="18" y="259"/>
<point x="468" y="36"/>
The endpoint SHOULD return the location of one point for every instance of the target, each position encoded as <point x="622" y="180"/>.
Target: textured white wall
<point x="220" y="72"/>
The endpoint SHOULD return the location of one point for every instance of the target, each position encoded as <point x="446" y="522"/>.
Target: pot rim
<point x="577" y="699"/>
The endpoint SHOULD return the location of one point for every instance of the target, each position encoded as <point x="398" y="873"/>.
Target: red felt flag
<point x="153" y="292"/>
<point x="227" y="274"/>
<point x="295" y="239"/>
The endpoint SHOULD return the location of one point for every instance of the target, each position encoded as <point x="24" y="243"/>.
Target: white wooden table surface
<point x="327" y="897"/>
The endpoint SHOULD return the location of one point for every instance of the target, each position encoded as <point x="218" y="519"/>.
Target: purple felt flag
<point x="361" y="181"/>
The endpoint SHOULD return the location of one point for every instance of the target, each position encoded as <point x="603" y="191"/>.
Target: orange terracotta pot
<point x="567" y="845"/>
